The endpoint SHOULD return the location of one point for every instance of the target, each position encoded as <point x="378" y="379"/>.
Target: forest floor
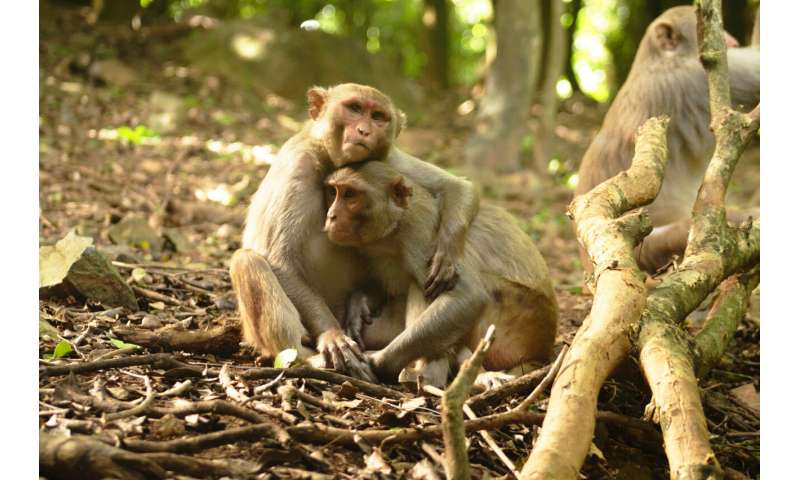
<point x="183" y="153"/>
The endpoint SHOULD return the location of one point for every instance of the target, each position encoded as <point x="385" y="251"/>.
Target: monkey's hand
<point x="342" y="353"/>
<point x="443" y="273"/>
<point x="358" y="315"/>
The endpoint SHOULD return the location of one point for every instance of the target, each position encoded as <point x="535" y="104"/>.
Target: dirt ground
<point x="190" y="181"/>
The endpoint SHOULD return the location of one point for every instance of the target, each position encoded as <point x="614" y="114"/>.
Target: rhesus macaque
<point x="667" y="78"/>
<point x="503" y="280"/>
<point x="291" y="283"/>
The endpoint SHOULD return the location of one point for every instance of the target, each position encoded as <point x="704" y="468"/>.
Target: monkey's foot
<point x="421" y="373"/>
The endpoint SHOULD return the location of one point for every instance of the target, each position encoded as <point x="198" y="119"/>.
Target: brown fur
<point x="667" y="78"/>
<point x="503" y="279"/>
<point x="290" y="281"/>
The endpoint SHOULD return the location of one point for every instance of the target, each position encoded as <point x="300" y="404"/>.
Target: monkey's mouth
<point x="356" y="143"/>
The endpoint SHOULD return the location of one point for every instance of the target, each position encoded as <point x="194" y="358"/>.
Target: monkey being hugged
<point x="503" y="278"/>
<point x="291" y="283"/>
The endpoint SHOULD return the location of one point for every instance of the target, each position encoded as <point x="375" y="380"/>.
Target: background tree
<point x="503" y="109"/>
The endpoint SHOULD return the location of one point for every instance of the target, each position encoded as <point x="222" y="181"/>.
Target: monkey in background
<point x="291" y="283"/>
<point x="667" y="78"/>
<point x="392" y="220"/>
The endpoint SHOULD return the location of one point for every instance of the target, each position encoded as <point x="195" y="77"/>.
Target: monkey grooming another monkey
<point x="291" y="283"/>
<point x="503" y="280"/>
<point x="667" y="78"/>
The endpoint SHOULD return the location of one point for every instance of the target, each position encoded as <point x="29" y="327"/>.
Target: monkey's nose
<point x="362" y="131"/>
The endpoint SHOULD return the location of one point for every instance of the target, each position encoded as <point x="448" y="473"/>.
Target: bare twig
<point x="487" y="437"/>
<point x="325" y="375"/>
<point x="138" y="409"/>
<point x="153" y="295"/>
<point x="548" y="379"/>
<point x="455" y="446"/>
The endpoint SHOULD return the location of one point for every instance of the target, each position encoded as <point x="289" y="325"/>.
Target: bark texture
<point x="609" y="231"/>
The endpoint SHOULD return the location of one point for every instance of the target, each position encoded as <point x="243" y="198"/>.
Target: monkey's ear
<point x="667" y="38"/>
<point x="401" y="122"/>
<point x="317" y="96"/>
<point x="400" y="192"/>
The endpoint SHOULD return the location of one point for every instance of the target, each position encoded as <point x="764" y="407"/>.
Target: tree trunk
<point x="574" y="8"/>
<point x="436" y="20"/>
<point x="553" y="66"/>
<point x="503" y="110"/>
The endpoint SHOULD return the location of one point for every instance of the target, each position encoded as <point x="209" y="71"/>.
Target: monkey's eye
<point x="331" y="191"/>
<point x="354" y="107"/>
<point x="379" y="116"/>
<point x="348" y="194"/>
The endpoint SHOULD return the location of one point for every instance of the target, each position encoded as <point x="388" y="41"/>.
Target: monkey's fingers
<point x="354" y="332"/>
<point x="362" y="370"/>
<point x="366" y="314"/>
<point x="445" y="282"/>
<point x="434" y="267"/>
<point x="353" y="347"/>
<point x="337" y="358"/>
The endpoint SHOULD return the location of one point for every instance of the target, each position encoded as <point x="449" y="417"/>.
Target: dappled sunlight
<point x="252" y="47"/>
<point x="591" y="58"/>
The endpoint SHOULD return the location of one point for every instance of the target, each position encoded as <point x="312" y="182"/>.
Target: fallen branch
<point x="722" y="319"/>
<point x="211" y="440"/>
<point x="223" y="340"/>
<point x="609" y="235"/>
<point x="715" y="250"/>
<point x="79" y="456"/>
<point x="157" y="360"/>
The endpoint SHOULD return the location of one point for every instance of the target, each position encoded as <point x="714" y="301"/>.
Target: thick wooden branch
<point x="715" y="250"/>
<point x="724" y="316"/>
<point x="609" y="233"/>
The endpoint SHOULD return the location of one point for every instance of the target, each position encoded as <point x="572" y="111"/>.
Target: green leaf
<point x="120" y="344"/>
<point x="285" y="358"/>
<point x="62" y="349"/>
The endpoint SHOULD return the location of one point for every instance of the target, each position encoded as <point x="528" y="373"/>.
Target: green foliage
<point x="62" y="349"/>
<point x="136" y="135"/>
<point x="591" y="58"/>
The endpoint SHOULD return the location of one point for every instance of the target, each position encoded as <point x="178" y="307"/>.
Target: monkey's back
<point x="500" y="248"/>
<point x="522" y="303"/>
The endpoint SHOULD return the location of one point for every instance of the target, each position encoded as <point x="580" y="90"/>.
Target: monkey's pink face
<point x="366" y="129"/>
<point x="345" y="203"/>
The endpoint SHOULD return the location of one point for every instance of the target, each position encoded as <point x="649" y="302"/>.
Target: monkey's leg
<point x="270" y="322"/>
<point x="422" y="371"/>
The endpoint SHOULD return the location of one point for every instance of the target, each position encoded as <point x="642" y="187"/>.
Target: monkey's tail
<point x="270" y="322"/>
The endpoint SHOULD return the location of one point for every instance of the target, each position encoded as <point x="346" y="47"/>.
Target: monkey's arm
<point x="458" y="204"/>
<point x="442" y="325"/>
